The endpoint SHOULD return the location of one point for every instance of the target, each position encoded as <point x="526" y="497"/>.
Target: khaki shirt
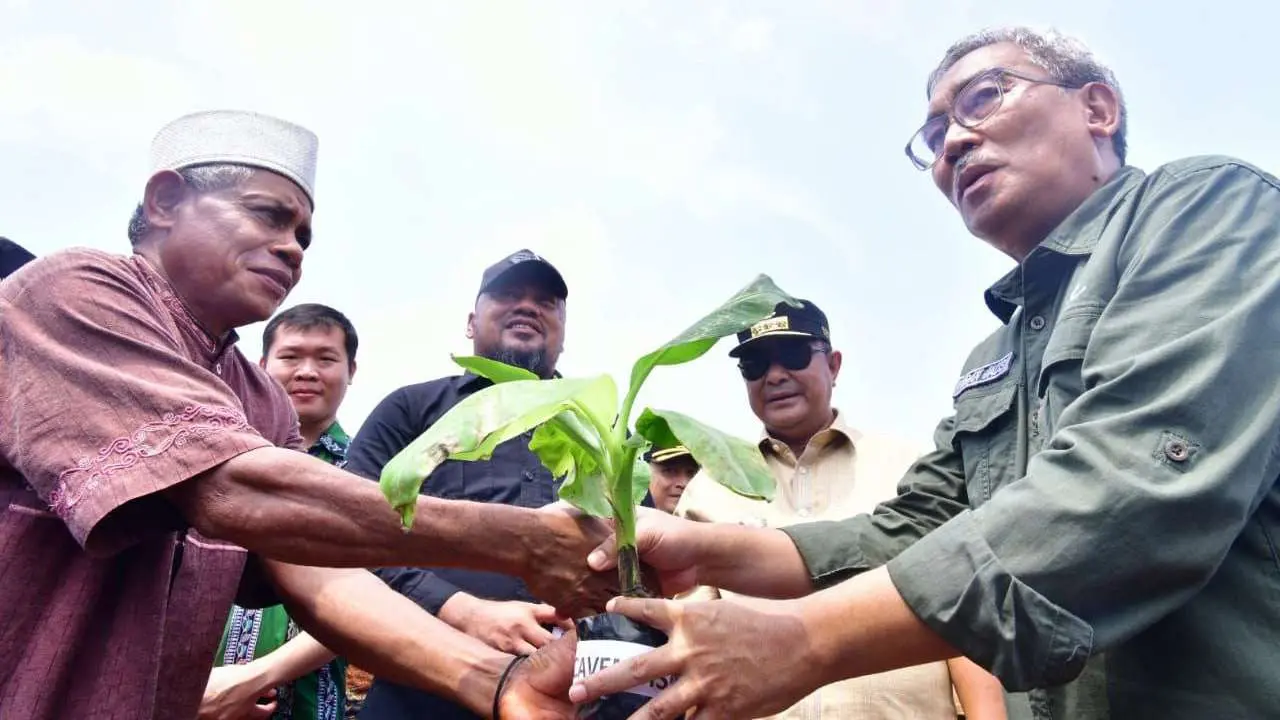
<point x="840" y="473"/>
<point x="1099" y="523"/>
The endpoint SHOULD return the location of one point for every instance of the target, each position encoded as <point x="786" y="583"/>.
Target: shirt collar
<point x="1076" y="235"/>
<point x="209" y="345"/>
<point x="471" y="382"/>
<point x="838" y="427"/>
<point x="334" y="440"/>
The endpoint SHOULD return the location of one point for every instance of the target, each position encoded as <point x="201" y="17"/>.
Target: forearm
<point x="301" y="655"/>
<point x="291" y="507"/>
<point x="980" y="693"/>
<point x="355" y="614"/>
<point x="750" y="561"/>
<point x="862" y="627"/>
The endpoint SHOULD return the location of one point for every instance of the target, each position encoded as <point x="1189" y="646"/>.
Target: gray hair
<point x="202" y="179"/>
<point x="1064" y="58"/>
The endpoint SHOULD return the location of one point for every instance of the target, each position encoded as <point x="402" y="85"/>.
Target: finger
<point x="518" y="646"/>
<point x="262" y="711"/>
<point x="534" y="633"/>
<point x="656" y="613"/>
<point x="605" y="556"/>
<point x="545" y="613"/>
<point x="633" y="671"/>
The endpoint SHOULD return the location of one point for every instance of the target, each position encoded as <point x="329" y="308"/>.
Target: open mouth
<point x="970" y="177"/>
<point x="527" y="327"/>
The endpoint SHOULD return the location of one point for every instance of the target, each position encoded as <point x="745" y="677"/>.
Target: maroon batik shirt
<point x="110" y="393"/>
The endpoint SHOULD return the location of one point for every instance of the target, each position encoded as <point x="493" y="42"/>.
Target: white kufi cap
<point x="240" y="137"/>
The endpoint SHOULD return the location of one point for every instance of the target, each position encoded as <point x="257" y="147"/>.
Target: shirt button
<point x="803" y="512"/>
<point x="1037" y="323"/>
<point x="1176" y="450"/>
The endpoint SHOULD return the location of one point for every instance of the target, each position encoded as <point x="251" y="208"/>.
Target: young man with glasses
<point x="827" y="470"/>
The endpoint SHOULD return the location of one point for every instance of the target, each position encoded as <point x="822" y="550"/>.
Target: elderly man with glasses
<point x="1098" y="524"/>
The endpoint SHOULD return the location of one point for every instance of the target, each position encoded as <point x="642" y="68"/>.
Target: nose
<point x="306" y="369"/>
<point x="956" y="143"/>
<point x="775" y="374"/>
<point x="289" y="251"/>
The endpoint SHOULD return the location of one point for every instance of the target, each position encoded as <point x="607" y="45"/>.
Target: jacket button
<point x="1037" y="323"/>
<point x="1176" y="450"/>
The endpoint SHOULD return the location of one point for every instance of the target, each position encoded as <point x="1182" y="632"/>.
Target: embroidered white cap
<point x="240" y="137"/>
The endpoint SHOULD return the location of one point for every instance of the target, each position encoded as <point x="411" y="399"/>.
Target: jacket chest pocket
<point x="986" y="436"/>
<point x="1061" y="380"/>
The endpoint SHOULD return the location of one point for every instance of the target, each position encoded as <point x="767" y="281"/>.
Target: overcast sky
<point x="659" y="153"/>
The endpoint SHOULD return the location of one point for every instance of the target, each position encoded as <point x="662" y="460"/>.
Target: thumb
<point x="550" y="669"/>
<point x="605" y="556"/>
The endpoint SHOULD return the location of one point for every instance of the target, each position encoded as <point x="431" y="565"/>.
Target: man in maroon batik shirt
<point x="149" y="478"/>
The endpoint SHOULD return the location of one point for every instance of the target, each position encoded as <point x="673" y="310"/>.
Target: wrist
<point x="480" y="687"/>
<point x="458" y="610"/>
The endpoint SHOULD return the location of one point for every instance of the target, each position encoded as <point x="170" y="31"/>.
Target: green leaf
<point x="478" y="424"/>
<point x="730" y="461"/>
<point x="641" y="476"/>
<point x="580" y="467"/>
<point x="748" y="306"/>
<point x="496" y="371"/>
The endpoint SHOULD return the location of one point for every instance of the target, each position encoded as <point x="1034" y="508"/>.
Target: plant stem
<point x="624" y="516"/>
<point x="629" y="577"/>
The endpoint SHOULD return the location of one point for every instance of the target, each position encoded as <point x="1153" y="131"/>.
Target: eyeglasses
<point x="754" y="363"/>
<point x="978" y="100"/>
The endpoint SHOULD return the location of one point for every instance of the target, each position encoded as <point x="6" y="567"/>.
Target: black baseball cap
<point x="523" y="265"/>
<point x="665" y="454"/>
<point x="787" y="320"/>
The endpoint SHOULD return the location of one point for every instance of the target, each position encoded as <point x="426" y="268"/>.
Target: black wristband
<point x="502" y="681"/>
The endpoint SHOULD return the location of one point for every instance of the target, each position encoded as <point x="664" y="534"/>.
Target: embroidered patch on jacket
<point x="982" y="375"/>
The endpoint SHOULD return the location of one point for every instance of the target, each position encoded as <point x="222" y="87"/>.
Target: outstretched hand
<point x="538" y="688"/>
<point x="667" y="548"/>
<point x="732" y="659"/>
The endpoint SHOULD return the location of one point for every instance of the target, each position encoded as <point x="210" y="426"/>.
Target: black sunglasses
<point x="754" y="363"/>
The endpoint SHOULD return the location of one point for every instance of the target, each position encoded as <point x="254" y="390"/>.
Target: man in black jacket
<point x="518" y="319"/>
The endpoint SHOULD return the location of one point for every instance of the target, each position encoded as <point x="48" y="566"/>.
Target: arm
<point x="291" y="507"/>
<point x="980" y="693"/>
<point x="233" y="691"/>
<point x="385" y="633"/>
<point x="932" y="492"/>
<point x="301" y="655"/>
<point x="792" y="561"/>
<point x="685" y="554"/>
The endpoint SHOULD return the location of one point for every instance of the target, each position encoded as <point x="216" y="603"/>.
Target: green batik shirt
<point x="253" y="633"/>
<point x="1099" y="522"/>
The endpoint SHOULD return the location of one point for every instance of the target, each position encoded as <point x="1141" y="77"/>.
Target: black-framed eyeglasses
<point x="978" y="100"/>
<point x="794" y="356"/>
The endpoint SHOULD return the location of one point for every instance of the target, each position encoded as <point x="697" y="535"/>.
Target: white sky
<point x="659" y="153"/>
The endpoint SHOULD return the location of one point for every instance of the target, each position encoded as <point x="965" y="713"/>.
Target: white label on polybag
<point x="596" y="655"/>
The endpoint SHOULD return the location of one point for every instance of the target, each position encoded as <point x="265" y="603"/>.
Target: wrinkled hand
<point x="558" y="573"/>
<point x="510" y="626"/>
<point x="734" y="659"/>
<point x="667" y="547"/>
<point x="538" y="688"/>
<point x="233" y="692"/>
